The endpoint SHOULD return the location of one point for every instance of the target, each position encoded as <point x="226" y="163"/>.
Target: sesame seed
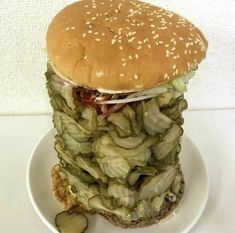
<point x="86" y="6"/>
<point x="122" y="75"/>
<point x="87" y="23"/>
<point x="174" y="66"/>
<point x="139" y="47"/>
<point x="94" y="7"/>
<point x="152" y="25"/>
<point x="195" y="51"/>
<point x="166" y="45"/>
<point x="88" y="12"/>
<point x="153" y="32"/>
<point x="185" y="51"/>
<point x="103" y="34"/>
<point x="113" y="41"/>
<point x="181" y="38"/>
<point x="72" y="28"/>
<point x="90" y="26"/>
<point x="84" y="35"/>
<point x="85" y="57"/>
<point x="124" y="64"/>
<point x="97" y="39"/>
<point x="160" y="42"/>
<point x="90" y="31"/>
<point x="130" y="57"/>
<point x="121" y="48"/>
<point x="136" y="56"/>
<point x="151" y="20"/>
<point x="166" y="76"/>
<point x="99" y="74"/>
<point x="145" y="40"/>
<point x="130" y="40"/>
<point x="156" y="36"/>
<point x="173" y="49"/>
<point x="93" y="18"/>
<point x="149" y="46"/>
<point x="123" y="59"/>
<point x="66" y="29"/>
<point x="136" y="77"/>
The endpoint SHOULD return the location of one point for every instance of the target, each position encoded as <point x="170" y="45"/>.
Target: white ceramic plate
<point x="187" y="214"/>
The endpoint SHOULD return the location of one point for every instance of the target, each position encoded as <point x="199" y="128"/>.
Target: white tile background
<point x="23" y="25"/>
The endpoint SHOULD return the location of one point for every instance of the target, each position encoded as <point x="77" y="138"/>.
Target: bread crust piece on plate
<point x="64" y="196"/>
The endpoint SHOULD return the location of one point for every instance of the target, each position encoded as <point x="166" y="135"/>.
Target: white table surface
<point x="212" y="131"/>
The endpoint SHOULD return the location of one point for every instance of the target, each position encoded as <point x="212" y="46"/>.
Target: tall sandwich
<point x="117" y="73"/>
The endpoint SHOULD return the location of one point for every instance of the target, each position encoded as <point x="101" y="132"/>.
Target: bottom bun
<point x="63" y="195"/>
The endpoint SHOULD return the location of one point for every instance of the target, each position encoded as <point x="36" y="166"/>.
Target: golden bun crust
<point x="122" y="46"/>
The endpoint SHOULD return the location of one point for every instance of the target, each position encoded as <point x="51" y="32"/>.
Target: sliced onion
<point x="127" y="100"/>
<point x="137" y="96"/>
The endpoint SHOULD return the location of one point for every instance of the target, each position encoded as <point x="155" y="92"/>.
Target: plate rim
<point x="29" y="190"/>
<point x="188" y="227"/>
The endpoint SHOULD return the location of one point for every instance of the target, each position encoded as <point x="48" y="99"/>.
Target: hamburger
<point x="117" y="73"/>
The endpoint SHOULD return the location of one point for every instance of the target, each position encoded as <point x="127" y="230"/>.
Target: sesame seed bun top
<point x="122" y="46"/>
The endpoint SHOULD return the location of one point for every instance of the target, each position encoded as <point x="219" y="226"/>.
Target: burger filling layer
<point x="119" y="152"/>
